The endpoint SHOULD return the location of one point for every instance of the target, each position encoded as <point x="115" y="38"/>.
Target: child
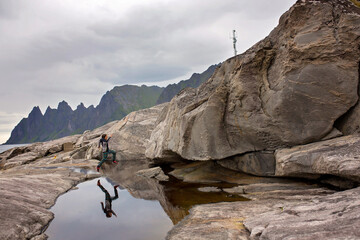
<point x="107" y="209"/>
<point x="104" y="143"/>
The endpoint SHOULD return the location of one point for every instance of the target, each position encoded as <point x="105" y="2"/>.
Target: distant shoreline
<point x="5" y="147"/>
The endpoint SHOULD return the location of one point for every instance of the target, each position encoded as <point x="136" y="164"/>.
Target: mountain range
<point x="114" y="105"/>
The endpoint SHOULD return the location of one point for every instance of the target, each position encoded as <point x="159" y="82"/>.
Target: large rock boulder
<point x="129" y="135"/>
<point x="255" y="163"/>
<point x="338" y="157"/>
<point x="286" y="90"/>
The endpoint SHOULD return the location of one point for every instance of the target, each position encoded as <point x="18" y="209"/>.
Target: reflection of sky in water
<point x="78" y="215"/>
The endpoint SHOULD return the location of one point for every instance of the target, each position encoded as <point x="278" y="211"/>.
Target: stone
<point x="68" y="146"/>
<point x="227" y="220"/>
<point x="211" y="172"/>
<point x="30" y="188"/>
<point x="79" y="153"/>
<point x="329" y="217"/>
<point x="155" y="172"/>
<point x="338" y="157"/>
<point x="338" y="182"/>
<point x="256" y="163"/>
<point x="21" y="159"/>
<point x="209" y="189"/>
<point x="129" y="135"/>
<point x="333" y="134"/>
<point x="26" y="154"/>
<point x="288" y="89"/>
<point x="265" y="187"/>
<point x="54" y="149"/>
<point x="2" y="163"/>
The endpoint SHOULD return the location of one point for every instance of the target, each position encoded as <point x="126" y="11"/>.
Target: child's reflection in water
<point x="107" y="209"/>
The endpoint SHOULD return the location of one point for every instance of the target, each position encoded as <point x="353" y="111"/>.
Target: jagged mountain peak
<point x="114" y="104"/>
<point x="35" y="112"/>
<point x="63" y="105"/>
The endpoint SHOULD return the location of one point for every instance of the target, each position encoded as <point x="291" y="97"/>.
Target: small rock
<point x="155" y="172"/>
<point x="209" y="189"/>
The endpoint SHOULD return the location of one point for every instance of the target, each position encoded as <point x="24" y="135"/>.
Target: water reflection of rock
<point x="217" y="184"/>
<point x="144" y="188"/>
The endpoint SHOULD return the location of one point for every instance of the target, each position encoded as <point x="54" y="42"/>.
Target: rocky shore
<point x="29" y="186"/>
<point x="286" y="112"/>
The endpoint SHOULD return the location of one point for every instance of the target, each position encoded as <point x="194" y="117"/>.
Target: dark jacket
<point x="104" y="144"/>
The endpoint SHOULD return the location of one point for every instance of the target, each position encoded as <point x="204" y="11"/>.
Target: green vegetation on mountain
<point x="114" y="105"/>
<point x="195" y="80"/>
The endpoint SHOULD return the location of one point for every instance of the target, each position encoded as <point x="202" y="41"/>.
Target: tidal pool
<point x="78" y="215"/>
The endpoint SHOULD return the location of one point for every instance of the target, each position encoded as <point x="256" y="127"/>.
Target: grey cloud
<point x="52" y="52"/>
<point x="10" y="9"/>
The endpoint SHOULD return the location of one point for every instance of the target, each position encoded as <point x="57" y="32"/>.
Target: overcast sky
<point x="76" y="50"/>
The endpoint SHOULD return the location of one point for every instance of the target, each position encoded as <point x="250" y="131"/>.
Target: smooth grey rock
<point x="26" y="154"/>
<point x="339" y="157"/>
<point x="265" y="187"/>
<point x="129" y="135"/>
<point x="338" y="182"/>
<point x="21" y="159"/>
<point x="155" y="172"/>
<point x="329" y="217"/>
<point x="226" y="220"/>
<point x="333" y="134"/>
<point x="40" y="237"/>
<point x="27" y="192"/>
<point x="286" y="90"/>
<point x="211" y="172"/>
<point x="54" y="149"/>
<point x="256" y="163"/>
<point x="350" y="122"/>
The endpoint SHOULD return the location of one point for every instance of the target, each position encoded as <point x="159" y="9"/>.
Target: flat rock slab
<point x="339" y="157"/>
<point x="155" y="172"/>
<point x="223" y="221"/>
<point x="32" y="182"/>
<point x="335" y="216"/>
<point x="25" y="200"/>
<point x="267" y="187"/>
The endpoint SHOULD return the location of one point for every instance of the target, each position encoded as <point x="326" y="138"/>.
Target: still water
<point x="78" y="215"/>
<point x="146" y="208"/>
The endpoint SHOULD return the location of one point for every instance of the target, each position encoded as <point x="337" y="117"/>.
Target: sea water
<point x="5" y="147"/>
